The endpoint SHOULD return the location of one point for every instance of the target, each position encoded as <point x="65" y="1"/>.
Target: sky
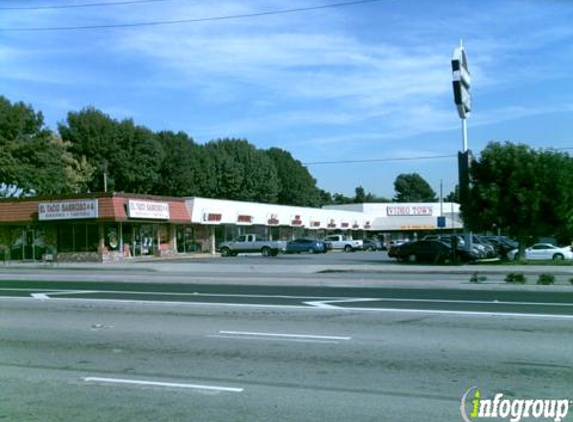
<point x="368" y="83"/>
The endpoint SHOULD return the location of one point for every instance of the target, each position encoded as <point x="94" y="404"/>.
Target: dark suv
<point x="434" y="251"/>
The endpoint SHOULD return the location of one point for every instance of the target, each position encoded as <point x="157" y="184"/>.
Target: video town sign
<point x="409" y="210"/>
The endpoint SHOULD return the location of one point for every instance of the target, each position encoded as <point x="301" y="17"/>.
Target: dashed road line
<point x="161" y="384"/>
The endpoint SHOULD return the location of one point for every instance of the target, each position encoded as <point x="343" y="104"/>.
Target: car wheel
<point x="348" y="248"/>
<point x="266" y="251"/>
<point x="225" y="252"/>
<point x="558" y="257"/>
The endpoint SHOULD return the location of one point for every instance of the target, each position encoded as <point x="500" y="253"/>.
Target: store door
<point x="29" y="240"/>
<point x="144" y="239"/>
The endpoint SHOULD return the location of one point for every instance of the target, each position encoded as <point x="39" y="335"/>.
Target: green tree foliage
<point x="413" y="188"/>
<point x="242" y="172"/>
<point x="140" y="159"/>
<point x="325" y="197"/>
<point x="453" y="196"/>
<point x="360" y="197"/>
<point x="94" y="136"/>
<point x="130" y="154"/>
<point x="32" y="159"/>
<point x="363" y="197"/>
<point x="341" y="199"/>
<point x="296" y="185"/>
<point x="524" y="192"/>
<point x="180" y="172"/>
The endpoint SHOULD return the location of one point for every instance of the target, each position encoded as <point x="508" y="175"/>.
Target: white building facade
<point x="216" y="220"/>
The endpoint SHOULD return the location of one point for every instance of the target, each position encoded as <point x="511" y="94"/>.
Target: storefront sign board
<point x="148" y="209"/>
<point x="68" y="210"/>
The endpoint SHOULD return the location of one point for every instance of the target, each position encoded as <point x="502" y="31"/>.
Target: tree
<point x="326" y="198"/>
<point x="525" y="192"/>
<point x="242" y="171"/>
<point x="136" y="166"/>
<point x="32" y="159"/>
<point x="296" y="185"/>
<point x="453" y="196"/>
<point x="360" y="195"/>
<point x="413" y="188"/>
<point x="130" y="155"/>
<point x="94" y="136"/>
<point x="341" y="199"/>
<point x="180" y="171"/>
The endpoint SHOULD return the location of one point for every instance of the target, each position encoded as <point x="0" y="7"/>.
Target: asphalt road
<point x="117" y="351"/>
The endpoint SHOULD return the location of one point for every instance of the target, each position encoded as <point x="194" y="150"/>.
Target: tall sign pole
<point x="461" y="82"/>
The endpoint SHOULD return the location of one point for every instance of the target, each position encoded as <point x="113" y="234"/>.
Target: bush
<point x="477" y="278"/>
<point x="515" y="278"/>
<point x="546" y="279"/>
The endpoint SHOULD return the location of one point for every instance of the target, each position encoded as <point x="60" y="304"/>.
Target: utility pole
<point x="105" y="175"/>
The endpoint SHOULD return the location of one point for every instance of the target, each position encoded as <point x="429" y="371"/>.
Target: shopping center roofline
<point x="91" y="195"/>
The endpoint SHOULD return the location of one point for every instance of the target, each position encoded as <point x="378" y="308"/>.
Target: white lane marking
<point x="295" y="307"/>
<point x="304" y="336"/>
<point x="47" y="294"/>
<point x="473" y="302"/>
<point x="466" y="313"/>
<point x="194" y="294"/>
<point x="299" y="340"/>
<point x="326" y="304"/>
<point x="162" y="384"/>
<point x="322" y="303"/>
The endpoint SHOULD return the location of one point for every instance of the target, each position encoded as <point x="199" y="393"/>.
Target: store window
<point x="78" y="238"/>
<point x="186" y="240"/>
<point x="66" y="238"/>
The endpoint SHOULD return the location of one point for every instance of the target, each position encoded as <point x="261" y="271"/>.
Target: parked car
<point x="306" y="245"/>
<point x="434" y="251"/>
<point x="251" y="243"/>
<point x="397" y="242"/>
<point x="502" y="244"/>
<point x="346" y="243"/>
<point x="477" y="250"/>
<point x="541" y="251"/>
<point x="371" y="245"/>
<point x="503" y="239"/>
<point x="485" y="245"/>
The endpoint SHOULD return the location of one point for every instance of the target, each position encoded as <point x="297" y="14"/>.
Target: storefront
<point x="223" y="220"/>
<point x="118" y="226"/>
<point x="91" y="227"/>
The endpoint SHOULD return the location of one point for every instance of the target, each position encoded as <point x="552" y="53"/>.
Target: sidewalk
<point x="213" y="265"/>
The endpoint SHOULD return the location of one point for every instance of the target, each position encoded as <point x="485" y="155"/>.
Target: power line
<point x="182" y="21"/>
<point x="379" y="160"/>
<point x="77" y="6"/>
<point x="422" y="157"/>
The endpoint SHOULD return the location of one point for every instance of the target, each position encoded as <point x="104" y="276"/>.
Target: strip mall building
<point x="119" y="226"/>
